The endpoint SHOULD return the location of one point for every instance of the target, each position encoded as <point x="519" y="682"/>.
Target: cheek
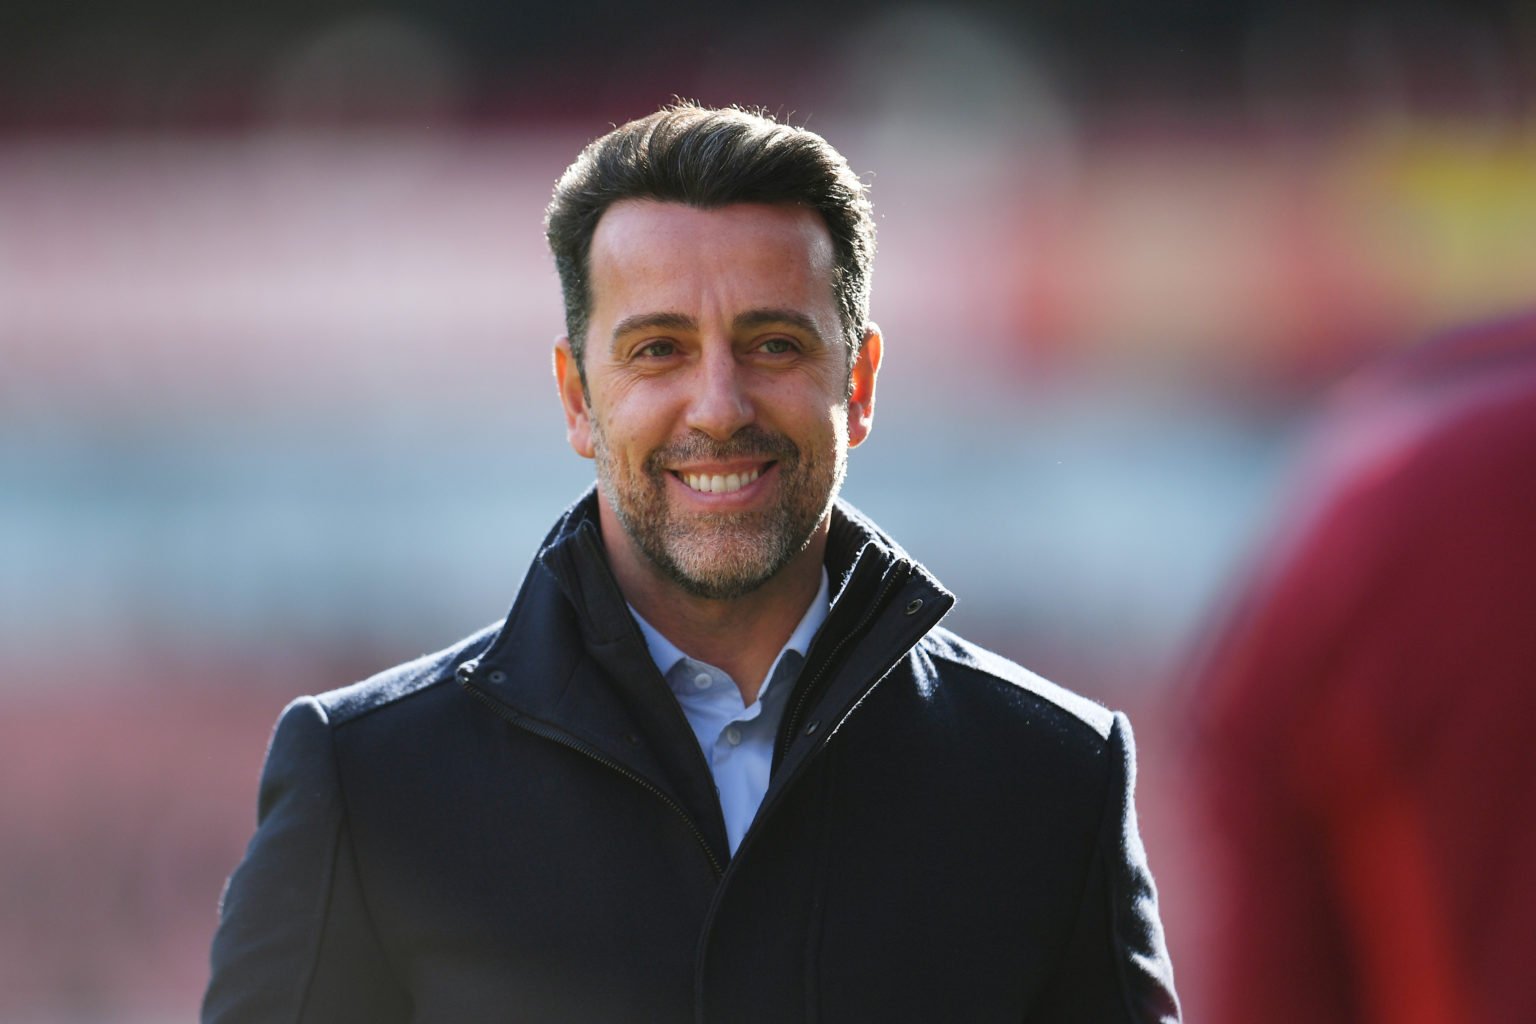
<point x="628" y="439"/>
<point x="811" y="414"/>
<point x="633" y="439"/>
<point x="807" y="398"/>
<point x="643" y="407"/>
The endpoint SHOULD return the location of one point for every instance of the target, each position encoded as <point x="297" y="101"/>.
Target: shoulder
<point x="1002" y="682"/>
<point x="393" y="686"/>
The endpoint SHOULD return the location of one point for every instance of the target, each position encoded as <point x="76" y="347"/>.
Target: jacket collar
<point x="571" y="658"/>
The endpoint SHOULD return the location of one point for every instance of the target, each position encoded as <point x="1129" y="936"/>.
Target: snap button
<point x="497" y="676"/>
<point x="914" y="605"/>
<point x="702" y="681"/>
<point x="810" y="730"/>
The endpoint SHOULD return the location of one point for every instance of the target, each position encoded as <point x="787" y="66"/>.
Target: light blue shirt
<point x="737" y="740"/>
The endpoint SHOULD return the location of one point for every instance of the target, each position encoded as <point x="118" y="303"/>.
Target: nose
<point x="719" y="405"/>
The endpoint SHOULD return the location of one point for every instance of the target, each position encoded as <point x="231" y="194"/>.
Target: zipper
<point x="554" y="735"/>
<point x="898" y="575"/>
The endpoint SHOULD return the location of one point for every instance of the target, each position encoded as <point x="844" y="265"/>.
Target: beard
<point x="722" y="555"/>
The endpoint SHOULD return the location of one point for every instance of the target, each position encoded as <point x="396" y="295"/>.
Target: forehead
<point x="650" y="252"/>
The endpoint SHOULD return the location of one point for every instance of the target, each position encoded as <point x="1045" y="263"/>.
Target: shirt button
<point x="702" y="681"/>
<point x="733" y="736"/>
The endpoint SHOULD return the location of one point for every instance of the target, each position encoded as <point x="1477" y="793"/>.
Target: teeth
<point x="717" y="484"/>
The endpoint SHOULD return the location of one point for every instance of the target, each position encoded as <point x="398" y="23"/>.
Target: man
<point x="720" y="762"/>
<point x="1366" y="712"/>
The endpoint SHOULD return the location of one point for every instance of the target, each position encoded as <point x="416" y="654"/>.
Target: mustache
<point x="746" y="443"/>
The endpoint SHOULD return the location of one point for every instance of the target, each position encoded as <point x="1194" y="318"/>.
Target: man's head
<point x="724" y="364"/>
<point x="711" y="158"/>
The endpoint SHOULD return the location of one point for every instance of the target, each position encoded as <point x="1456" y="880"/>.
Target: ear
<point x="573" y="399"/>
<point x="861" y="382"/>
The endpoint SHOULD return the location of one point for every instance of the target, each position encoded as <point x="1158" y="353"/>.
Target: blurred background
<point x="276" y="313"/>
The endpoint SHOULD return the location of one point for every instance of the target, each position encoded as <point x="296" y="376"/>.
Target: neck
<point x="742" y="635"/>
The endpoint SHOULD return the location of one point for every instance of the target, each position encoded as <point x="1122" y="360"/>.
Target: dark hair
<point x="709" y="158"/>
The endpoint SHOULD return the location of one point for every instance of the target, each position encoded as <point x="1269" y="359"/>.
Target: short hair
<point x="709" y="158"/>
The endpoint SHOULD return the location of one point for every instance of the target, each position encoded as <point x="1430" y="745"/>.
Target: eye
<point x="777" y="346"/>
<point x="656" y="349"/>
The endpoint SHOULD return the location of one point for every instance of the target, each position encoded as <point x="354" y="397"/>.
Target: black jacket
<point x="523" y="828"/>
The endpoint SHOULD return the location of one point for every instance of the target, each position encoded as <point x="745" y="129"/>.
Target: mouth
<point x="727" y="482"/>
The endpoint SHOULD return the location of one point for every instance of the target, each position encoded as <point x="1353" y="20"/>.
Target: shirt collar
<point x="666" y="654"/>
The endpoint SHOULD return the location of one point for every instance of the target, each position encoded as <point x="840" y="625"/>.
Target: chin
<point x="722" y="574"/>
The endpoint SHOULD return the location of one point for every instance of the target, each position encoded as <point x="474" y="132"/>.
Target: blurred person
<point x="720" y="761"/>
<point x="1366" y="712"/>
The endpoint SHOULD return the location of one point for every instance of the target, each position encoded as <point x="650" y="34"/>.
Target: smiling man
<point x="720" y="762"/>
<point x="718" y="395"/>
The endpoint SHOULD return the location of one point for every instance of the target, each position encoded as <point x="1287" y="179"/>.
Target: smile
<point x="715" y="483"/>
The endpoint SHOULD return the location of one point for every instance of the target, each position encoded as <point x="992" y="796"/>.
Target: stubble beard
<point x="722" y="555"/>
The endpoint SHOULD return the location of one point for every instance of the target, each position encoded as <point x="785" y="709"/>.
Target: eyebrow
<point x="653" y="321"/>
<point x="765" y="317"/>
<point x="771" y="317"/>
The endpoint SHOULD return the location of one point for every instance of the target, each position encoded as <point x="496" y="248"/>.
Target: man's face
<point x="718" y="410"/>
